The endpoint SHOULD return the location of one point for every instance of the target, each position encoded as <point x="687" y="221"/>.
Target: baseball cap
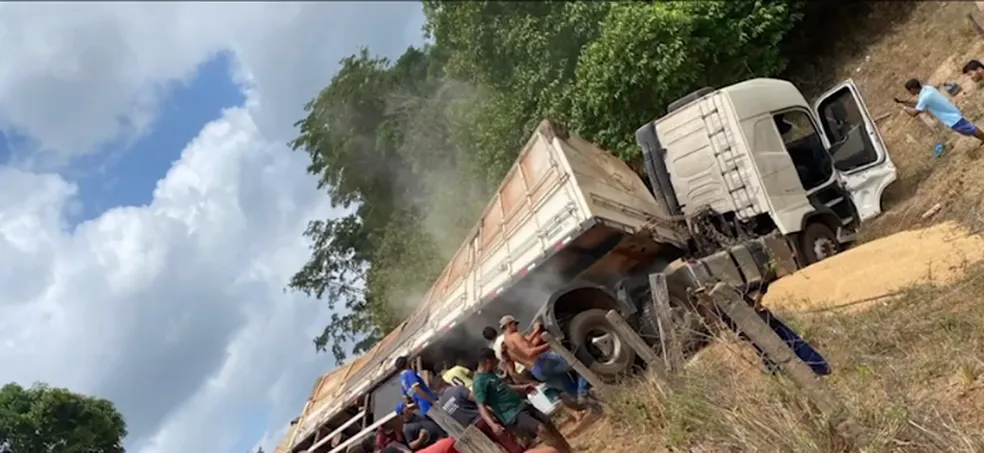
<point x="400" y="407"/>
<point x="506" y="320"/>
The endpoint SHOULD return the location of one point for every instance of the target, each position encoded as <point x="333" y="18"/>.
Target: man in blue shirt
<point x="939" y="106"/>
<point x="415" y="387"/>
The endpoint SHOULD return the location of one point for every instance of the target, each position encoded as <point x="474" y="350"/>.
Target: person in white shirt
<point x="515" y="370"/>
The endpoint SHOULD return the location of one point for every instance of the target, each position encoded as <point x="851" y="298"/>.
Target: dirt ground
<point x="932" y="44"/>
<point x="898" y="316"/>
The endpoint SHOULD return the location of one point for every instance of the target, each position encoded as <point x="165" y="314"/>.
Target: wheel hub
<point x="605" y="346"/>
<point x="824" y="248"/>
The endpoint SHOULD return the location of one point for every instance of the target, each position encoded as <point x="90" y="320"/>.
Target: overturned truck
<point x="573" y="232"/>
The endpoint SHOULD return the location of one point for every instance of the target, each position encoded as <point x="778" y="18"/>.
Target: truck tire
<point x="675" y="105"/>
<point x="817" y="242"/>
<point x="592" y="324"/>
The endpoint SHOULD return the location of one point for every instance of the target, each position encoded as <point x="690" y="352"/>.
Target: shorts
<point x="528" y="422"/>
<point x="506" y="440"/>
<point x="964" y="127"/>
<point x="553" y="370"/>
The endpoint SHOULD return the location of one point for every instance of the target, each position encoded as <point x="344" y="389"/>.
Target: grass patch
<point x="909" y="370"/>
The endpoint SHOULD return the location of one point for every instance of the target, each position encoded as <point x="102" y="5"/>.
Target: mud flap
<point x="800" y="347"/>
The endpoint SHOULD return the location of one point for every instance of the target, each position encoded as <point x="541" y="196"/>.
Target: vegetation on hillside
<point x="414" y="147"/>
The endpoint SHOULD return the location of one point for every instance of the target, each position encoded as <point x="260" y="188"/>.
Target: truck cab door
<point x="857" y="149"/>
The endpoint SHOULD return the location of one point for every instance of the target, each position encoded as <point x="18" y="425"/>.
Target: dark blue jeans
<point x="800" y="347"/>
<point x="553" y="370"/>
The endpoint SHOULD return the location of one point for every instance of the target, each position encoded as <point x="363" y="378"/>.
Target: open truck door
<point x="858" y="151"/>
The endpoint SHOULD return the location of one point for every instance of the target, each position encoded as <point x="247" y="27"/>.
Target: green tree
<point x="43" y="419"/>
<point x="649" y="54"/>
<point x="523" y="54"/>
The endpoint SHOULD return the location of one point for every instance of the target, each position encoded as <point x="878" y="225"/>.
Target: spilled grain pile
<point x="878" y="269"/>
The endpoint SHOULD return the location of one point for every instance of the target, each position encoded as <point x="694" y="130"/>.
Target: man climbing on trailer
<point x="520" y="374"/>
<point x="544" y="365"/>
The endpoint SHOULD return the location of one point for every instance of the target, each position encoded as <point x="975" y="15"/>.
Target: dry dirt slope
<point x="900" y="318"/>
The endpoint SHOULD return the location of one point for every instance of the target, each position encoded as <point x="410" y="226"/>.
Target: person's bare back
<point x="522" y="349"/>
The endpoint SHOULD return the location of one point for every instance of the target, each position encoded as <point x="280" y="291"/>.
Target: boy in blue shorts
<point x="939" y="106"/>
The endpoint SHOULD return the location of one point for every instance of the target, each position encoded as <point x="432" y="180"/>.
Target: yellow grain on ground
<point x="937" y="255"/>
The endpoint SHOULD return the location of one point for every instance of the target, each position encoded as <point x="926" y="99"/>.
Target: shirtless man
<point x="515" y="371"/>
<point x="544" y="365"/>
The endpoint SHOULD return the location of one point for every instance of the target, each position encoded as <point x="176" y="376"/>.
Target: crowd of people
<point x="493" y="397"/>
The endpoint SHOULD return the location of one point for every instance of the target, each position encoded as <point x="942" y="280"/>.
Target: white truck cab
<point x="755" y="156"/>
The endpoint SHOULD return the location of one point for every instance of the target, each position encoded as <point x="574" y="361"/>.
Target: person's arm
<point x="418" y="389"/>
<point x="481" y="397"/>
<point x="524" y="347"/>
<point x="522" y="388"/>
<point x="486" y="414"/>
<point x="912" y="108"/>
<point x="918" y="107"/>
<point x="509" y="365"/>
<point x="911" y="111"/>
<point x="910" y="104"/>
<point x="535" y="334"/>
<point x="380" y="440"/>
<point x="417" y="385"/>
<point x="420" y="441"/>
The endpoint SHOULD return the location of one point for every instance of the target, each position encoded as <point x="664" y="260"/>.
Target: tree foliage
<point x="414" y="147"/>
<point x="42" y="419"/>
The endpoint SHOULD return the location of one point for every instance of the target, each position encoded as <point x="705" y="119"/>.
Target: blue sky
<point x="151" y="212"/>
<point x="125" y="174"/>
<point x="112" y="177"/>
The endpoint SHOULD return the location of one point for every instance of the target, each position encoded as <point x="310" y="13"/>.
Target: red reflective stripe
<point x="495" y="292"/>
<point x="559" y="245"/>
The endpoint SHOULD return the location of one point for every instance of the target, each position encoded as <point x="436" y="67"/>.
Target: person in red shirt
<point x="390" y="433"/>
<point x="446" y="445"/>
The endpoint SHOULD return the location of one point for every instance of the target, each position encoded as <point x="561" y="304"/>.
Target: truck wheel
<point x="597" y="346"/>
<point x="818" y="242"/>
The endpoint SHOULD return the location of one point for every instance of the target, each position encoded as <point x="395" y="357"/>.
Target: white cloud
<point x="174" y="310"/>
<point x="76" y="75"/>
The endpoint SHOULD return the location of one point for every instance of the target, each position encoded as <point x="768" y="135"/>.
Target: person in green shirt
<point x="510" y="407"/>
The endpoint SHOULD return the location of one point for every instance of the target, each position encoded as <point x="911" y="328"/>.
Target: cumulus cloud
<point x="78" y="75"/>
<point x="173" y="310"/>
